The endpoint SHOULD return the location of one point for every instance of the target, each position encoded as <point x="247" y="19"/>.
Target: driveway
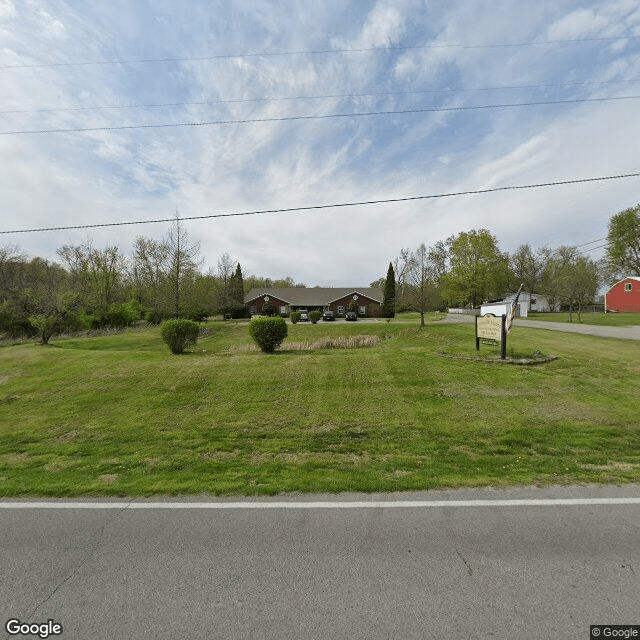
<point x="625" y="333"/>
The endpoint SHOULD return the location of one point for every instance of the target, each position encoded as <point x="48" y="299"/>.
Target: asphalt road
<point x="626" y="333"/>
<point x="331" y="569"/>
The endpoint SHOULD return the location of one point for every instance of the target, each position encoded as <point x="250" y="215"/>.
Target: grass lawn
<point x="606" y="319"/>
<point x="120" y="415"/>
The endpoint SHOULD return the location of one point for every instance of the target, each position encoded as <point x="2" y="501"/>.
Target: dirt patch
<point x="220" y="455"/>
<point x="66" y="437"/>
<point x="14" y="459"/>
<point x="108" y="478"/>
<point x="611" y="466"/>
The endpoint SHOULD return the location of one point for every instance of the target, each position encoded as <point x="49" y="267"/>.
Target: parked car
<point x="304" y="315"/>
<point x="351" y="316"/>
<point x="328" y="315"/>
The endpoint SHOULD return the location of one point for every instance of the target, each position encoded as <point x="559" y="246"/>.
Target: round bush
<point x="179" y="334"/>
<point x="314" y="316"/>
<point x="268" y="333"/>
<point x="295" y="317"/>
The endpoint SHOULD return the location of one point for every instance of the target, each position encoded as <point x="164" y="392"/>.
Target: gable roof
<point x="313" y="296"/>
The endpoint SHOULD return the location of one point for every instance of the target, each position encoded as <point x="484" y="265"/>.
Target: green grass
<point x="605" y="319"/>
<point x="120" y="415"/>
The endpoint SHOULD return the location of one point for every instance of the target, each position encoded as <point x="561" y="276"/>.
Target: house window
<point x="253" y="310"/>
<point x="341" y="310"/>
<point x="363" y="310"/>
<point x="627" y="286"/>
<point x="283" y="311"/>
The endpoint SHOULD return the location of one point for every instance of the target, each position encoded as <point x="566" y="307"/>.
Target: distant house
<point x="623" y="296"/>
<point x="368" y="299"/>
<point x="526" y="302"/>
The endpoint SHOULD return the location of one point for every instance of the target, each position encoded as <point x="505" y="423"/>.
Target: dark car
<point x="304" y="315"/>
<point x="328" y="315"/>
<point x="351" y="316"/>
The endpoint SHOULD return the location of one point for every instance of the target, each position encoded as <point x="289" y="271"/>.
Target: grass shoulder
<point x="119" y="415"/>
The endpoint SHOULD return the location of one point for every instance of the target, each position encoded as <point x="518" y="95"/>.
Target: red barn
<point x="623" y="296"/>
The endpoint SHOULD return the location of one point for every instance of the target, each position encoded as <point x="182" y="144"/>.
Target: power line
<point x="333" y="206"/>
<point x="590" y="242"/>
<point x="602" y="246"/>
<point x="315" y="117"/>
<point x="265" y="54"/>
<point x="319" y="97"/>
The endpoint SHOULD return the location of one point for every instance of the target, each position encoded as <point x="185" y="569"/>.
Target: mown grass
<point x="605" y="319"/>
<point x="119" y="415"/>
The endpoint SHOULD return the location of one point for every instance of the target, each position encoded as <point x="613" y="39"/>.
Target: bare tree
<point x="421" y="275"/>
<point x="183" y="264"/>
<point x="402" y="266"/>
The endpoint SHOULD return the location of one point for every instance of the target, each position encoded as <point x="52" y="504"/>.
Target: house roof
<point x="313" y="296"/>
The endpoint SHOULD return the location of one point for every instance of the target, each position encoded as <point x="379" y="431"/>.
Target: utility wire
<point x="333" y="206"/>
<point x="590" y="242"/>
<point x="316" y="117"/>
<point x="320" y="97"/>
<point x="265" y="54"/>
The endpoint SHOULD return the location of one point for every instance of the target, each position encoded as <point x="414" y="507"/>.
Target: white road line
<point x="395" y="504"/>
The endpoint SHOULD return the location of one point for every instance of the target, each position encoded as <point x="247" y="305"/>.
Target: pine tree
<point x="389" y="300"/>
<point x="236" y="291"/>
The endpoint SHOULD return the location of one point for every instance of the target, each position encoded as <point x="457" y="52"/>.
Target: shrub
<point x="179" y="334"/>
<point x="123" y="314"/>
<point x="155" y="317"/>
<point x="269" y="310"/>
<point x="295" y="317"/>
<point x="268" y="333"/>
<point x="314" y="316"/>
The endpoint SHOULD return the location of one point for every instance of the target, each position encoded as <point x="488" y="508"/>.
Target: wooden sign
<point x="492" y="328"/>
<point x="489" y="326"/>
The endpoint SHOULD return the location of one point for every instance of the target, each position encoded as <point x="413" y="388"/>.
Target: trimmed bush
<point x="295" y="317"/>
<point x="268" y="333"/>
<point x="314" y="316"/>
<point x="179" y="334"/>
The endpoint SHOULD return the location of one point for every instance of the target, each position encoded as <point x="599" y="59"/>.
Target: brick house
<point x="623" y="296"/>
<point x="288" y="299"/>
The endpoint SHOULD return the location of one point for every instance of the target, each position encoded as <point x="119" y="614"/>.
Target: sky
<point x="277" y="85"/>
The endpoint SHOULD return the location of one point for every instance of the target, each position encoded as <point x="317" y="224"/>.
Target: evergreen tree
<point x="389" y="300"/>
<point x="237" y="308"/>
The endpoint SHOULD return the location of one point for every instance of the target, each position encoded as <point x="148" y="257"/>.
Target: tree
<point x="478" y="270"/>
<point x="527" y="267"/>
<point x="235" y="295"/>
<point x="402" y="266"/>
<point x="149" y="275"/>
<point x="183" y="267"/>
<point x="571" y="278"/>
<point x="389" y="297"/>
<point x="96" y="276"/>
<point x="421" y="276"/>
<point x="623" y="243"/>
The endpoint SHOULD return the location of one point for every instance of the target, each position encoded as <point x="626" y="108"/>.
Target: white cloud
<point x="144" y="174"/>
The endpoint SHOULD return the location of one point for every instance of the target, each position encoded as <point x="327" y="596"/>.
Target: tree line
<point x="91" y="288"/>
<point x="469" y="268"/>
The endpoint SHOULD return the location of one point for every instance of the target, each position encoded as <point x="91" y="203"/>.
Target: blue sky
<point x="402" y="55"/>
